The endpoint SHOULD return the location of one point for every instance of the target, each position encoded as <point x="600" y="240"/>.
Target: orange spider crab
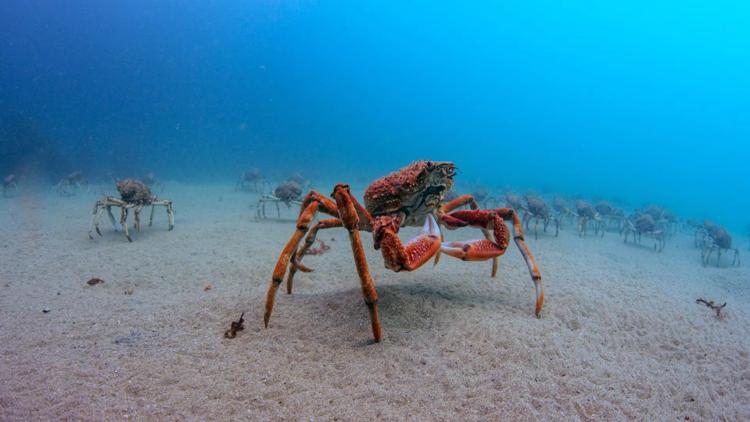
<point x="412" y="196"/>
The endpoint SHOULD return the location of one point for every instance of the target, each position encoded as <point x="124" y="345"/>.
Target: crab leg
<point x="350" y="219"/>
<point x="98" y="219"/>
<point x="170" y="215"/>
<point x="296" y="259"/>
<point x="477" y="250"/>
<point x="705" y="255"/>
<point x="167" y="204"/>
<point x="457" y="203"/>
<point x="124" y="221"/>
<point x="257" y="210"/>
<point x="151" y="217"/>
<point x="137" y="218"/>
<point x="111" y="217"/>
<point x="95" y="220"/>
<point x="313" y="201"/>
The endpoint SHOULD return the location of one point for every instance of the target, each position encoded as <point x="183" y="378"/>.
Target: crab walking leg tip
<point x="377" y="332"/>
<point x="539" y="297"/>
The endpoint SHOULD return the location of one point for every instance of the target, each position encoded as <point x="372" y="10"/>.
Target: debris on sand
<point x="207" y="287"/>
<point x="320" y="250"/>
<point x="712" y="305"/>
<point x="94" y="281"/>
<point x="236" y="326"/>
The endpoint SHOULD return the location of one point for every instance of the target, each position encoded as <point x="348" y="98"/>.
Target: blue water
<point x="641" y="101"/>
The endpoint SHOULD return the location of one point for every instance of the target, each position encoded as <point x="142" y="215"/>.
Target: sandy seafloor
<point x="620" y="338"/>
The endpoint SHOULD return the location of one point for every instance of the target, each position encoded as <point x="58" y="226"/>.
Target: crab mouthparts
<point x="430" y="227"/>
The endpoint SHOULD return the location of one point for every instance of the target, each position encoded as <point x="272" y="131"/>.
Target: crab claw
<point x="472" y="250"/>
<point x="416" y="252"/>
<point x="423" y="247"/>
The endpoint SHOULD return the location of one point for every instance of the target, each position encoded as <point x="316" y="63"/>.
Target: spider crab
<point x="664" y="218"/>
<point x="299" y="179"/>
<point x="513" y="201"/>
<point x="561" y="209"/>
<point x="612" y="217"/>
<point x="133" y="194"/>
<point x="642" y="223"/>
<point x="716" y="239"/>
<point x="411" y="196"/>
<point x="10" y="183"/>
<point x="288" y="193"/>
<point x="250" y="181"/>
<point x="536" y="209"/>
<point x="586" y="213"/>
<point x="70" y="184"/>
<point x="483" y="198"/>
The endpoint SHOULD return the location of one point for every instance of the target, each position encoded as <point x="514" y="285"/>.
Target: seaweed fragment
<point x="323" y="248"/>
<point x="712" y="305"/>
<point x="234" y="327"/>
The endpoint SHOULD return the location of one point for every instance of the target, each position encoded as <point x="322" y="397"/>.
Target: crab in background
<point x="10" y="184"/>
<point x="301" y="180"/>
<point x="587" y="214"/>
<point x="513" y="201"/>
<point x="562" y="211"/>
<point x="483" y="198"/>
<point x="716" y="239"/>
<point x="640" y="224"/>
<point x="71" y="184"/>
<point x="251" y="180"/>
<point x="664" y="218"/>
<point x="288" y="193"/>
<point x="411" y="196"/>
<point x="536" y="209"/>
<point x="134" y="195"/>
<point x="613" y="218"/>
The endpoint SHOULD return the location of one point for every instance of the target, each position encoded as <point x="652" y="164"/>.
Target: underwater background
<point x="637" y="102"/>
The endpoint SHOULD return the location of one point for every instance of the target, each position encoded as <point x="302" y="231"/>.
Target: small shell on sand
<point x="94" y="281"/>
